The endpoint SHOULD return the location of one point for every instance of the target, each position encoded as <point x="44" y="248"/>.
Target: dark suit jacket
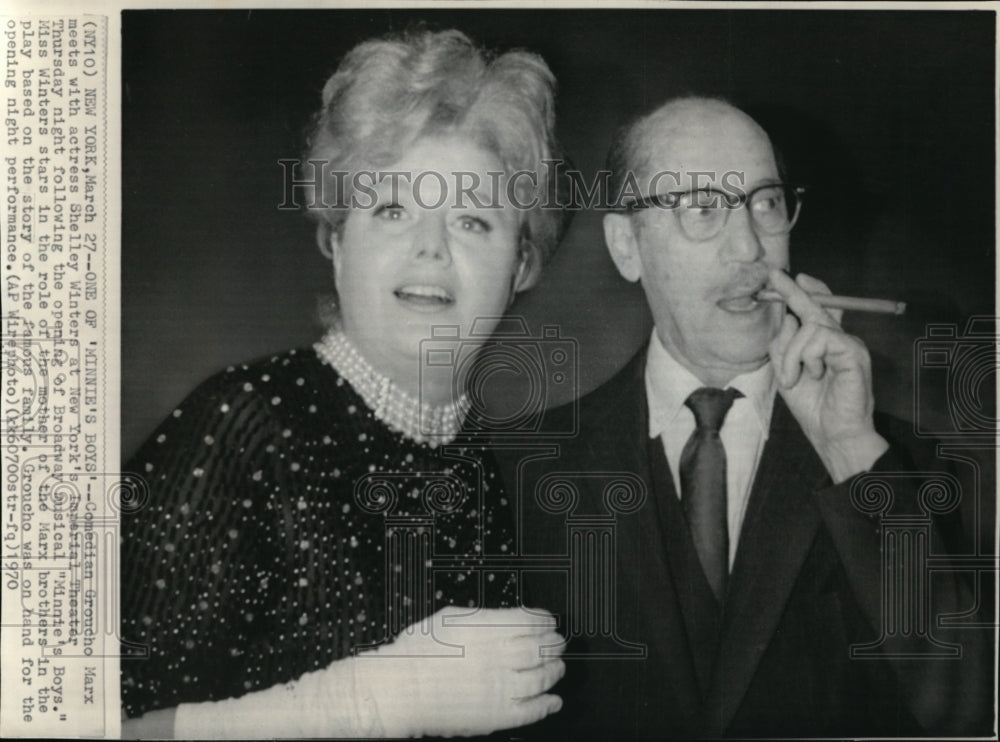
<point x="805" y="587"/>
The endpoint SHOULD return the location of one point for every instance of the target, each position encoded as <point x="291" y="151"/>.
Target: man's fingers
<point x="780" y="343"/>
<point x="838" y="351"/>
<point x="789" y="326"/>
<point x="829" y="349"/>
<point x="814" y="286"/>
<point x="818" y="348"/>
<point x="798" y="301"/>
<point x="813" y="355"/>
<point x="530" y="710"/>
<point x="791" y="361"/>
<point x="528" y="683"/>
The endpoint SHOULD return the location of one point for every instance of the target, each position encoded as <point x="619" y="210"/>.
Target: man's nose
<point x="742" y="242"/>
<point x="430" y="241"/>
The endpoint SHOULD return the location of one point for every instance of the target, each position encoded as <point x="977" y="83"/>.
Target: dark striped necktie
<point x="703" y="484"/>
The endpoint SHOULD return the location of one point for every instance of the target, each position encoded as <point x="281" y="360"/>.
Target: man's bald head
<point x="657" y="140"/>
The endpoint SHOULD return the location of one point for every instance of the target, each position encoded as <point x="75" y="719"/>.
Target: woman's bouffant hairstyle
<point x="392" y="91"/>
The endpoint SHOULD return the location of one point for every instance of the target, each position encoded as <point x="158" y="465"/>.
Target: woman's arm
<point x="194" y="554"/>
<point x="320" y="704"/>
<point x="455" y="673"/>
<point x="154" y="725"/>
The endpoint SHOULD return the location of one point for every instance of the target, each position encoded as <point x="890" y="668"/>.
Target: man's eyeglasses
<point x="774" y="208"/>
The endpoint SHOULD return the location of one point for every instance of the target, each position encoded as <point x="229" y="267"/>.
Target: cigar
<point x="849" y="303"/>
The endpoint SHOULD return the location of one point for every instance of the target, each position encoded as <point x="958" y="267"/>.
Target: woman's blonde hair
<point x="390" y="92"/>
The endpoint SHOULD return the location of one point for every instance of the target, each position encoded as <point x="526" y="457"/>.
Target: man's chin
<point x="747" y="365"/>
<point x="744" y="356"/>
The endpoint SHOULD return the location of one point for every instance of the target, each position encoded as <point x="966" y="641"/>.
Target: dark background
<point x="888" y="116"/>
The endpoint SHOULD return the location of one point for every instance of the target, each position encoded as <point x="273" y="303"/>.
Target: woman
<point x="270" y="569"/>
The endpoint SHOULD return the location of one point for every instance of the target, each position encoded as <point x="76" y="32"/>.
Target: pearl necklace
<point x="400" y="411"/>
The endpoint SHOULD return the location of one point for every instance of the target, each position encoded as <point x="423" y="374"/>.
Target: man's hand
<point x="825" y="377"/>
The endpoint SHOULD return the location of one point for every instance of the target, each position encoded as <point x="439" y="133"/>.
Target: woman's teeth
<point x="424" y="294"/>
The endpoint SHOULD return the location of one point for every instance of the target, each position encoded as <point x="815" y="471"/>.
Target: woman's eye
<point x="473" y="224"/>
<point x="390" y="212"/>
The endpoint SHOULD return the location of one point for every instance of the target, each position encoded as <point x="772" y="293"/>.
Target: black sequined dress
<point x="286" y="527"/>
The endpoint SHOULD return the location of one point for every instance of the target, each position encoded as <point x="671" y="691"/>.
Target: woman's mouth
<point x="424" y="296"/>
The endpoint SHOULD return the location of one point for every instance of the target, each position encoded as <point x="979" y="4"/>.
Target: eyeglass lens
<point x="773" y="209"/>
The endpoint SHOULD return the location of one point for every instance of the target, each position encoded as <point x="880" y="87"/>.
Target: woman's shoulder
<point x="256" y="396"/>
<point x="273" y="370"/>
<point x="266" y="379"/>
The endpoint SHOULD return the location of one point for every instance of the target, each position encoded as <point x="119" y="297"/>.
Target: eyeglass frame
<point x="732" y="201"/>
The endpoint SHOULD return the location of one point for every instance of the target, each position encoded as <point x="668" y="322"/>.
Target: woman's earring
<point x="515" y="279"/>
<point x="326" y="241"/>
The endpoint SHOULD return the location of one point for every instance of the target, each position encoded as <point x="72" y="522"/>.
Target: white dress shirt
<point x="743" y="434"/>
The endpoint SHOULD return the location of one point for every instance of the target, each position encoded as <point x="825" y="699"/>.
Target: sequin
<point x="265" y="578"/>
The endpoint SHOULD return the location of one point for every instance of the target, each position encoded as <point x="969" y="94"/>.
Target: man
<point x="744" y="572"/>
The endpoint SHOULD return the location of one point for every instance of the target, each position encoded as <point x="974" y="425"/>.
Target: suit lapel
<point x="702" y="620"/>
<point x="779" y="528"/>
<point x="622" y="444"/>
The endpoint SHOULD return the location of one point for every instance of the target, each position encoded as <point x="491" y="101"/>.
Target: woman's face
<point x="434" y="242"/>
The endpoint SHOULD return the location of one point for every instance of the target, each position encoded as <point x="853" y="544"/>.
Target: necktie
<point x="703" y="484"/>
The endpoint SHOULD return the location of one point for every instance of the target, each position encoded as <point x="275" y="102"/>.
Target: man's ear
<point x="619" y="236"/>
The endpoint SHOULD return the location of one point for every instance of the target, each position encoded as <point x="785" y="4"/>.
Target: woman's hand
<point x="464" y="672"/>
<point x="458" y="672"/>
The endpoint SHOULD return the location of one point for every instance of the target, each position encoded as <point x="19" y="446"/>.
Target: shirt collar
<point x="668" y="385"/>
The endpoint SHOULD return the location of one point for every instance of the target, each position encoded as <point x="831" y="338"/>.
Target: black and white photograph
<point x="546" y="372"/>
